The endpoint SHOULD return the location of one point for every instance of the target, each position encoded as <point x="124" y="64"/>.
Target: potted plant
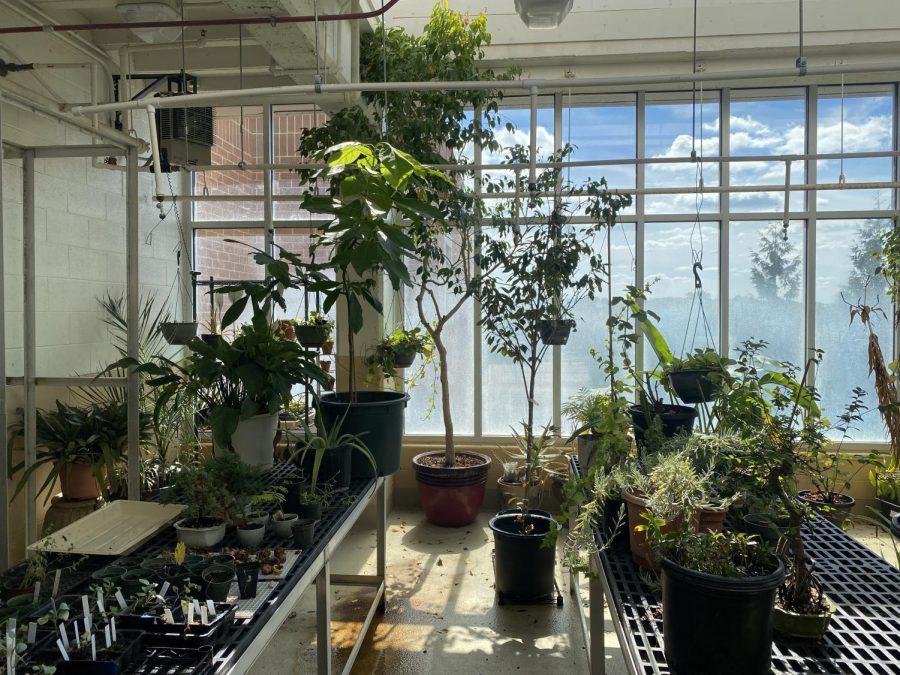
<point x="206" y="502"/>
<point x="84" y="448"/>
<point x="282" y="523"/>
<point x="212" y="334"/>
<point x="697" y="377"/>
<point x="531" y="464"/>
<point x="243" y="384"/>
<point x="398" y="350"/>
<point x="602" y="425"/>
<point x="314" y="331"/>
<point x="827" y="468"/>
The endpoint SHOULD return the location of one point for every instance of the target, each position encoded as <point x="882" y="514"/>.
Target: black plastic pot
<point x="379" y="417"/>
<point x="293" y="488"/>
<point x="247" y="578"/>
<point x="178" y="332"/>
<point x="714" y="625"/>
<point x="336" y="466"/>
<point x="130" y="641"/>
<point x="211" y="339"/>
<point x="312" y="510"/>
<point x="764" y="526"/>
<point x="311" y="336"/>
<point x="404" y="359"/>
<point x="837" y="513"/>
<point x="556" y="332"/>
<point x="523" y="568"/>
<point x="218" y="580"/>
<point x="675" y="419"/>
<point x="304" y="532"/>
<point x="694" y="386"/>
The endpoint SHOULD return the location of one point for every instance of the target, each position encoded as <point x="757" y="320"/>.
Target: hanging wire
<point x="242" y="163"/>
<point x="318" y="76"/>
<point x="694" y="92"/>
<point x="184" y="110"/>
<point x="841" y="178"/>
<point x="384" y="59"/>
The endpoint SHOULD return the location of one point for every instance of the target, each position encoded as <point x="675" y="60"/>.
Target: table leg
<point x="598" y="631"/>
<point x="381" y="555"/>
<point x="323" y="620"/>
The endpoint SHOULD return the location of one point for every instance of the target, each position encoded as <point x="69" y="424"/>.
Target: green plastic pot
<point x="378" y="416"/>
<point x="808" y="626"/>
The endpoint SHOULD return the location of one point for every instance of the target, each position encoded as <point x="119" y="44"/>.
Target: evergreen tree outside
<point x="777" y="266"/>
<point x="865" y="282"/>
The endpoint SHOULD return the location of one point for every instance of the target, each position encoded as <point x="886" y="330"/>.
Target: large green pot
<point x="378" y="416"/>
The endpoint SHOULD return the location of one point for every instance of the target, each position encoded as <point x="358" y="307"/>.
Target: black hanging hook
<point x="697" y="283"/>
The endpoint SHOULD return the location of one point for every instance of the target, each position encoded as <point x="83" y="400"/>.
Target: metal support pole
<point x="809" y="229"/>
<point x="598" y="631"/>
<point x="4" y="448"/>
<point x="29" y="337"/>
<point x="323" y="620"/>
<point x="132" y="293"/>
<point x="639" y="208"/>
<point x="725" y="221"/>
<point x="381" y="540"/>
<point x="268" y="217"/>
<point x="532" y="162"/>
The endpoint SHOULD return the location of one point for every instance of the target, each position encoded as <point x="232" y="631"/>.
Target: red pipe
<point x="199" y="23"/>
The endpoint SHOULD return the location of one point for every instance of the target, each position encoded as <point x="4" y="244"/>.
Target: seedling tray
<point x="158" y="633"/>
<point x="174" y="661"/>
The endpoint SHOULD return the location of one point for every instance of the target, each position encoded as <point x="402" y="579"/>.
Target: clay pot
<point x="77" y="482"/>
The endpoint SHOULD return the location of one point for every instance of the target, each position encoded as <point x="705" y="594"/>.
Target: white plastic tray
<point x="115" y="529"/>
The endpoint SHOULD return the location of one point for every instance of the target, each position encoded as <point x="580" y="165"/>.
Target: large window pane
<point x="287" y="124"/>
<point x="688" y="319"/>
<point x="863" y="122"/>
<point x="669" y="132"/>
<point x="771" y="122"/>
<point x="578" y="368"/>
<point x="235" y="139"/>
<point x="601" y="128"/>
<point x="842" y="269"/>
<point x="767" y="288"/>
<point x="517" y="112"/>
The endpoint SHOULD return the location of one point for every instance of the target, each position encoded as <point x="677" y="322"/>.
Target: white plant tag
<point x="77" y="634"/>
<point x="32" y="632"/>
<point x="88" y="622"/>
<point x="164" y="589"/>
<point x="11" y="626"/>
<point x="121" y="600"/>
<point x="62" y="634"/>
<point x="196" y="604"/>
<point x="100" y="602"/>
<point x="85" y="605"/>
<point x="62" y="649"/>
<point x="167" y="614"/>
<point x="56" y="578"/>
<point x="211" y="607"/>
<point x="190" y="614"/>
<point x="106" y="636"/>
<point x="112" y="626"/>
<point x="204" y="616"/>
<point x="93" y="649"/>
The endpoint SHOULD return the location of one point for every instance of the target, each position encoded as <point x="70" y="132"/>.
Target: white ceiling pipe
<point x="154" y="149"/>
<point x="571" y="164"/>
<point x="687" y="189"/>
<point x="226" y="97"/>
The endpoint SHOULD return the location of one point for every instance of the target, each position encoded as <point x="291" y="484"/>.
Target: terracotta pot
<point x="512" y="493"/>
<point x="451" y="496"/>
<point x="327" y="347"/>
<point x="77" y="482"/>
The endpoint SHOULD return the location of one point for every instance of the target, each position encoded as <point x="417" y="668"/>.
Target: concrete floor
<point x="442" y="616"/>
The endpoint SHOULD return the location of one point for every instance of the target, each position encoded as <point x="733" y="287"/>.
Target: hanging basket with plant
<point x="398" y="350"/>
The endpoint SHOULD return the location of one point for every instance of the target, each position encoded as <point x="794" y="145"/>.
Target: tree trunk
<point x="450" y="448"/>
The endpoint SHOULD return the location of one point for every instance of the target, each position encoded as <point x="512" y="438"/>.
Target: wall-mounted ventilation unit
<point x="185" y="136"/>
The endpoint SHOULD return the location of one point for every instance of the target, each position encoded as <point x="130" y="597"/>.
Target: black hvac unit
<point x="185" y="135"/>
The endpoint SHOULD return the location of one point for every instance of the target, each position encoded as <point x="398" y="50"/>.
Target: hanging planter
<point x="556" y="332"/>
<point x="178" y="332"/>
<point x="674" y="419"/>
<point x="694" y="385"/>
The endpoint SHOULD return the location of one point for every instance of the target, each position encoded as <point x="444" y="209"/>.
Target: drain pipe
<point x="196" y="23"/>
<point x="157" y="167"/>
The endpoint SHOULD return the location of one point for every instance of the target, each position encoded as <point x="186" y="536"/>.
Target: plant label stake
<point x="77" y="634"/>
<point x="100" y="602"/>
<point x="190" y="614"/>
<point x="85" y="606"/>
<point x="11" y="626"/>
<point x="62" y="634"/>
<point x="211" y="607"/>
<point x="164" y="589"/>
<point x="121" y="600"/>
<point x="62" y="649"/>
<point x="56" y="578"/>
<point x="167" y="613"/>
<point x="32" y="632"/>
<point x="112" y="626"/>
<point x="10" y="652"/>
<point x="37" y="591"/>
<point x="93" y="649"/>
<point x="106" y="636"/>
<point x="204" y="616"/>
<point x="196" y="605"/>
<point x="88" y="622"/>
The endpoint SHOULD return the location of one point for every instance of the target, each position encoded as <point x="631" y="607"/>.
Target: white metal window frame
<point x="809" y="215"/>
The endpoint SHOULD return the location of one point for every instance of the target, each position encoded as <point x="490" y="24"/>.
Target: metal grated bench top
<point x="864" y="636"/>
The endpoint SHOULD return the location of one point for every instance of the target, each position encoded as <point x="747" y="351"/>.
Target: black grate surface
<point x="237" y="636"/>
<point x="864" y="636"/>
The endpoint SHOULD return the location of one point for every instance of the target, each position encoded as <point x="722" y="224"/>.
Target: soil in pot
<point x="377" y="414"/>
<point x="218" y="580"/>
<point x="714" y="625"/>
<point x="451" y="496"/>
<point x="835" y="508"/>
<point x="77" y="482"/>
<point x="523" y="568"/>
<point x="304" y="533"/>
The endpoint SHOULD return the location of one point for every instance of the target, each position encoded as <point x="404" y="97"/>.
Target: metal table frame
<point x="319" y="573"/>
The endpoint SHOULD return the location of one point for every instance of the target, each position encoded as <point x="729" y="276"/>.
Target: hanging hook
<point x="698" y="267"/>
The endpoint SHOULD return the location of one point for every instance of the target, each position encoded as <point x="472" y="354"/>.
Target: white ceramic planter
<point x="205" y="537"/>
<point x="262" y="518"/>
<point x="283" y="527"/>
<point x="251" y="538"/>
<point x="253" y="440"/>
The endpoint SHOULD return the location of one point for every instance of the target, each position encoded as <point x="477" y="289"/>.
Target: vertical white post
<point x="29" y="337"/>
<point x="132" y="293"/>
<point x="323" y="619"/>
<point x="639" y="199"/>
<point x="4" y="449"/>
<point x="381" y="538"/>
<point x="812" y="147"/>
